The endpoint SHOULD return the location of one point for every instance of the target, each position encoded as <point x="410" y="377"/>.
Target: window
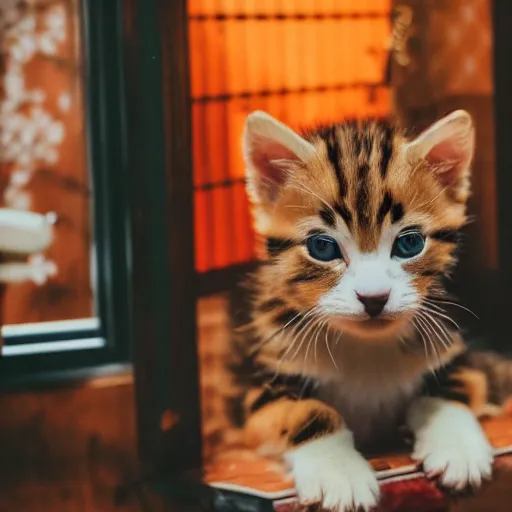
<point x="62" y="156"/>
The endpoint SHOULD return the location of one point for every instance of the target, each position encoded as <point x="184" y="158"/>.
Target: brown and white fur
<point x="339" y="354"/>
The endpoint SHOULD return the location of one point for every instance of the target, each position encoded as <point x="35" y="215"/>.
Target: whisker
<point x="307" y="380"/>
<point x="280" y="361"/>
<point x="422" y="337"/>
<point x="318" y="325"/>
<point x="264" y="341"/>
<point x="430" y="341"/>
<point x="305" y="331"/>
<point x="442" y="315"/>
<point x="315" y="346"/>
<point x="442" y="301"/>
<point x="310" y="313"/>
<point x="405" y="342"/>
<point x="434" y="305"/>
<point x="296" y="206"/>
<point x="309" y="191"/>
<point x="329" y="349"/>
<point x="428" y="203"/>
<point x="436" y="339"/>
<point x="441" y="329"/>
<point x="240" y="329"/>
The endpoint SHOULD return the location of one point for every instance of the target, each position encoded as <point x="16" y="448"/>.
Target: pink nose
<point x="373" y="304"/>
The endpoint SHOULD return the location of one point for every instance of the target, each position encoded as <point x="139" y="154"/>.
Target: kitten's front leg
<point x="320" y="451"/>
<point x="450" y="442"/>
<point x="329" y="470"/>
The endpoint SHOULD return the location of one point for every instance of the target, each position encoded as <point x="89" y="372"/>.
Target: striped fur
<point x="309" y="362"/>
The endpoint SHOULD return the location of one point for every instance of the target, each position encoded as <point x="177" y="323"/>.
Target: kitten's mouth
<point x="378" y="323"/>
<point x="372" y="324"/>
<point x="367" y="327"/>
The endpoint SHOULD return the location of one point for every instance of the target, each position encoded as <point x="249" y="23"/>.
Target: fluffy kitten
<point x="348" y="338"/>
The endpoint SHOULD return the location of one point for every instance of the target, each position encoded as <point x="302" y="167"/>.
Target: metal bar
<point x="285" y="92"/>
<point x="220" y="184"/>
<point x="284" y="17"/>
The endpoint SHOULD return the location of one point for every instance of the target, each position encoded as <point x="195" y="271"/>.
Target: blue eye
<point x="323" y="248"/>
<point x="408" y="245"/>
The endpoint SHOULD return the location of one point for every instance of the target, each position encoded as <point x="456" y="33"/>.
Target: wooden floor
<point x="73" y="459"/>
<point x="67" y="450"/>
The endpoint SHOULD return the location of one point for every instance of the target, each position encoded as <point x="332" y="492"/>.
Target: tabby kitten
<point x="348" y="338"/>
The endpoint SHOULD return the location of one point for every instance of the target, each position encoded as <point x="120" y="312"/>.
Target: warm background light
<point x="304" y="62"/>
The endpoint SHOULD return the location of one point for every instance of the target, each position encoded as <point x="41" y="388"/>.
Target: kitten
<point x="348" y="338"/>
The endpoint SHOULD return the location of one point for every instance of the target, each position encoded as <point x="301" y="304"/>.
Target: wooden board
<point x="242" y="471"/>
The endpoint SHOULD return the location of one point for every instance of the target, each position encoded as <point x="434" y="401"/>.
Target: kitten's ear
<point x="448" y="147"/>
<point x="268" y="146"/>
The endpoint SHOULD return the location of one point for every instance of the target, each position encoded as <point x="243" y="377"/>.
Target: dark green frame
<point x="162" y="235"/>
<point x="499" y="284"/>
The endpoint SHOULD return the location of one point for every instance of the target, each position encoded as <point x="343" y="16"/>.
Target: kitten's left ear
<point x="447" y="146"/>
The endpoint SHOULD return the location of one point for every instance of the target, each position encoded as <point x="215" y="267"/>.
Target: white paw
<point x="329" y="471"/>
<point x="452" y="445"/>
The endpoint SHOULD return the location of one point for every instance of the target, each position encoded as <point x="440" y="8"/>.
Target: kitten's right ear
<point x="447" y="146"/>
<point x="268" y="146"/>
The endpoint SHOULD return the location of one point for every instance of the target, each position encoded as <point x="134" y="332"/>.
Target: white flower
<point x="55" y="133"/>
<point x="20" y="177"/>
<point x="26" y="48"/>
<point x="64" y="102"/>
<point x="29" y="135"/>
<point x="41" y="268"/>
<point x="47" y="44"/>
<point x="24" y="157"/>
<point x="14" y="84"/>
<point x="17" y="198"/>
<point x="27" y="23"/>
<point x="55" y="21"/>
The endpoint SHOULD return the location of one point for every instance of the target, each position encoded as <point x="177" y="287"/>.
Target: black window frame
<point x="102" y="42"/>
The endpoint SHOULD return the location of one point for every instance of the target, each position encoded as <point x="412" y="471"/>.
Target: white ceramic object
<point x="16" y="272"/>
<point x="23" y="232"/>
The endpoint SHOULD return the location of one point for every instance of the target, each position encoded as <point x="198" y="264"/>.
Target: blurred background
<point x="120" y="126"/>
